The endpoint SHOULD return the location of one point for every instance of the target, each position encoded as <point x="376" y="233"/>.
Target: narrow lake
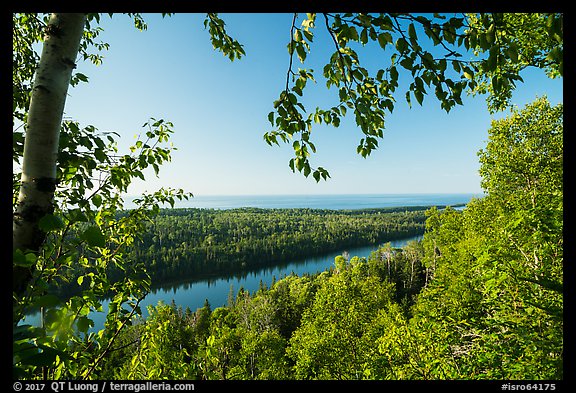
<point x="193" y="294"/>
<point x="216" y="291"/>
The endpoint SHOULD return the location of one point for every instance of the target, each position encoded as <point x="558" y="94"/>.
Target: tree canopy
<point x="71" y="205"/>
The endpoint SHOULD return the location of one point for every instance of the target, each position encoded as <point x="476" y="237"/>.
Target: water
<point x="216" y="290"/>
<point x="332" y="202"/>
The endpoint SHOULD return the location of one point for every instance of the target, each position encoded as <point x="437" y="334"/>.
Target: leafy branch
<point x="220" y="38"/>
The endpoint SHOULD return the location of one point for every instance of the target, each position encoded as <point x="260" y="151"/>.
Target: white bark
<point x="38" y="182"/>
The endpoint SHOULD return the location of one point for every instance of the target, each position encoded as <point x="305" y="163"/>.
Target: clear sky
<point x="219" y="110"/>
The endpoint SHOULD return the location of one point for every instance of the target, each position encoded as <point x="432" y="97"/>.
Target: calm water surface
<point x="332" y="202"/>
<point x="193" y="294"/>
<point x="216" y="291"/>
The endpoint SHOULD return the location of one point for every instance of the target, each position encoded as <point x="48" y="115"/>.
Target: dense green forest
<point x="186" y="242"/>
<point x="255" y="336"/>
<point x="191" y="244"/>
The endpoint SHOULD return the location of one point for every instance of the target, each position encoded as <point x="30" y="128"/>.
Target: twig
<point x="108" y="347"/>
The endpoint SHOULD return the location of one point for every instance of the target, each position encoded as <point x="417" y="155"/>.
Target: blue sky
<point x="219" y="110"/>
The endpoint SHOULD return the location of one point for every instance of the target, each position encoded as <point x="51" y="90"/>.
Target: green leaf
<point x="297" y="35"/>
<point x="22" y="332"/>
<point x="97" y="200"/>
<point x="45" y="358"/>
<point x="299" y="163"/>
<point x="82" y="77"/>
<point x="412" y="33"/>
<point x="50" y="223"/>
<point x="384" y="39"/>
<point x="24" y="260"/>
<point x="456" y="65"/>
<point x="406" y="63"/>
<point x="442" y="65"/>
<point x="100" y="155"/>
<point x="401" y="45"/>
<point x="364" y="36"/>
<point x="84" y="323"/>
<point x="94" y="237"/>
<point x="316" y="175"/>
<point x="419" y="96"/>
<point x="491" y="34"/>
<point x="512" y="52"/>
<point x="76" y="215"/>
<point x="556" y="54"/>
<point x="393" y="74"/>
<point x="301" y="53"/>
<point x="47" y="301"/>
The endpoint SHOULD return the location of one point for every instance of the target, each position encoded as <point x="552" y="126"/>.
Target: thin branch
<point x="124" y="346"/>
<point x="291" y="50"/>
<point x="108" y="347"/>
<point x="340" y="57"/>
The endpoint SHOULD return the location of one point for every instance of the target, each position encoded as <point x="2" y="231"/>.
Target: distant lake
<point x="193" y="292"/>
<point x="331" y="202"/>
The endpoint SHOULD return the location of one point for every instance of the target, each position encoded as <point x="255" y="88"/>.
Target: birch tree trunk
<point x="38" y="183"/>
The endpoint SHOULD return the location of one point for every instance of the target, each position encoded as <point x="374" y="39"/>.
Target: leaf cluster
<point x="84" y="231"/>
<point x="220" y="39"/>
<point x="440" y="56"/>
<point x="86" y="234"/>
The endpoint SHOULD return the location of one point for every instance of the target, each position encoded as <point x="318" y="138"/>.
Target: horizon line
<point x="195" y="195"/>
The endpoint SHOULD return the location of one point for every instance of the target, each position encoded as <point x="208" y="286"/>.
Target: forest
<point x="258" y="335"/>
<point x="186" y="242"/>
<point x="192" y="244"/>
<point x="480" y="297"/>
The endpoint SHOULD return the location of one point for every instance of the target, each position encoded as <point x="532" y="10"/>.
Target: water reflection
<point x="192" y="293"/>
<point x="217" y="289"/>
